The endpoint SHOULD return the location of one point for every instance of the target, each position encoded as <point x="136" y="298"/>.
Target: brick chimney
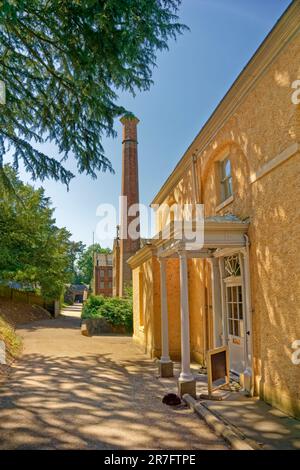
<point x="130" y="189"/>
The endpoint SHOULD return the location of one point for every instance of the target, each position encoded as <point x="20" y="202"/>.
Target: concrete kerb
<point x="217" y="425"/>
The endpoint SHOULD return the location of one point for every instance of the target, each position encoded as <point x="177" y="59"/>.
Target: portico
<point x="221" y="237"/>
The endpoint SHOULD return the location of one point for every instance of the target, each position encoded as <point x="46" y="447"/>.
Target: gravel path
<point x="73" y="392"/>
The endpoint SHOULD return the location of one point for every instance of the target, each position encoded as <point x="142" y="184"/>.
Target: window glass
<point x="234" y="310"/>
<point x="226" y="179"/>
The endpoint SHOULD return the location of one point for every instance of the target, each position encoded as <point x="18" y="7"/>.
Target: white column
<point x="185" y="375"/>
<point x="216" y="301"/>
<point x="165" y="357"/>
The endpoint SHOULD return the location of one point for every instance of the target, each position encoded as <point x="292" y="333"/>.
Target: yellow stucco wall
<point x="271" y="204"/>
<point x="144" y="334"/>
<point x="181" y="194"/>
<point x="265" y="124"/>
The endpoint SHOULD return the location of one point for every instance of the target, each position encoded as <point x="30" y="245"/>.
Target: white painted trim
<point x="275" y="162"/>
<point x="225" y="203"/>
<point x="221" y="252"/>
<point x="233" y="280"/>
<point x="216" y="301"/>
<point x="248" y="338"/>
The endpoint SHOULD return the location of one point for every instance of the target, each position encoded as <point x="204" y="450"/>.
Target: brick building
<point x="103" y="274"/>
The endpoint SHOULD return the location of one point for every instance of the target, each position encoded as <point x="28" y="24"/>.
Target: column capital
<point x="182" y="253"/>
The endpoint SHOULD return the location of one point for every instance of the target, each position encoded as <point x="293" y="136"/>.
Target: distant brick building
<point x="103" y="274"/>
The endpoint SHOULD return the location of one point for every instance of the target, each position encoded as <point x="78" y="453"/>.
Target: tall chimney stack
<point x="130" y="190"/>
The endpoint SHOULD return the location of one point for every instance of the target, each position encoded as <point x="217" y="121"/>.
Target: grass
<point x="12" y="341"/>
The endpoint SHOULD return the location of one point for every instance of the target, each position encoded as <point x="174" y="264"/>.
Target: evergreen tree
<point x="63" y="62"/>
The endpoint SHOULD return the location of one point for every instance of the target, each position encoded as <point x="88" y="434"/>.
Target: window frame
<point x="225" y="181"/>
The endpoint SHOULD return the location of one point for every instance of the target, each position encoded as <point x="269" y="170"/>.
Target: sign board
<point x="217" y="368"/>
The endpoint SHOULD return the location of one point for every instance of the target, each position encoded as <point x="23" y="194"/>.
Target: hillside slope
<point x="11" y="315"/>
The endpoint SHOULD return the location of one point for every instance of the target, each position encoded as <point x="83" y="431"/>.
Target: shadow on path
<point x="69" y="391"/>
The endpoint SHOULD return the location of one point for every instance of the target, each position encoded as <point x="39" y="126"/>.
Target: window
<point x="102" y="273"/>
<point x="101" y="284"/>
<point x="234" y="301"/>
<point x="110" y="273"/>
<point x="109" y="284"/>
<point x="226" y="179"/>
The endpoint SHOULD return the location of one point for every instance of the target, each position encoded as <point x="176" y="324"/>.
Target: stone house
<point x="241" y="286"/>
<point x="76" y="293"/>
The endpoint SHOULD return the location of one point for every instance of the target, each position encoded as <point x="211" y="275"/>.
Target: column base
<point x="246" y="380"/>
<point x="165" y="369"/>
<point x="187" y="387"/>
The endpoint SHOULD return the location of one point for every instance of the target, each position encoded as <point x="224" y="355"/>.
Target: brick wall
<point x="103" y="280"/>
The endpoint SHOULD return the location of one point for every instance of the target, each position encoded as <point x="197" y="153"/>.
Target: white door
<point x="235" y="326"/>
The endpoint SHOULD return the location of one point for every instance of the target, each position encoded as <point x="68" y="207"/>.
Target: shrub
<point x="117" y="311"/>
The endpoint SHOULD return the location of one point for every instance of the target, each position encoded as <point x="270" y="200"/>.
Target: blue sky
<point x="189" y="81"/>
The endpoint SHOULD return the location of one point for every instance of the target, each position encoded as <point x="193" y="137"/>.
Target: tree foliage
<point x="33" y="250"/>
<point x="63" y="62"/>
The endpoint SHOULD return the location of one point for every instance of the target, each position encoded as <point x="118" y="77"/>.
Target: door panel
<point x="235" y="322"/>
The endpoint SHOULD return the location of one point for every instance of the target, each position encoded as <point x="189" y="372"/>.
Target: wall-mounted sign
<point x="217" y="368"/>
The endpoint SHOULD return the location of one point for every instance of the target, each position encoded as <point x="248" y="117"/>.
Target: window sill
<point x="225" y="203"/>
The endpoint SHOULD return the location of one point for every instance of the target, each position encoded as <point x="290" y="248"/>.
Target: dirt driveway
<point x="73" y="392"/>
